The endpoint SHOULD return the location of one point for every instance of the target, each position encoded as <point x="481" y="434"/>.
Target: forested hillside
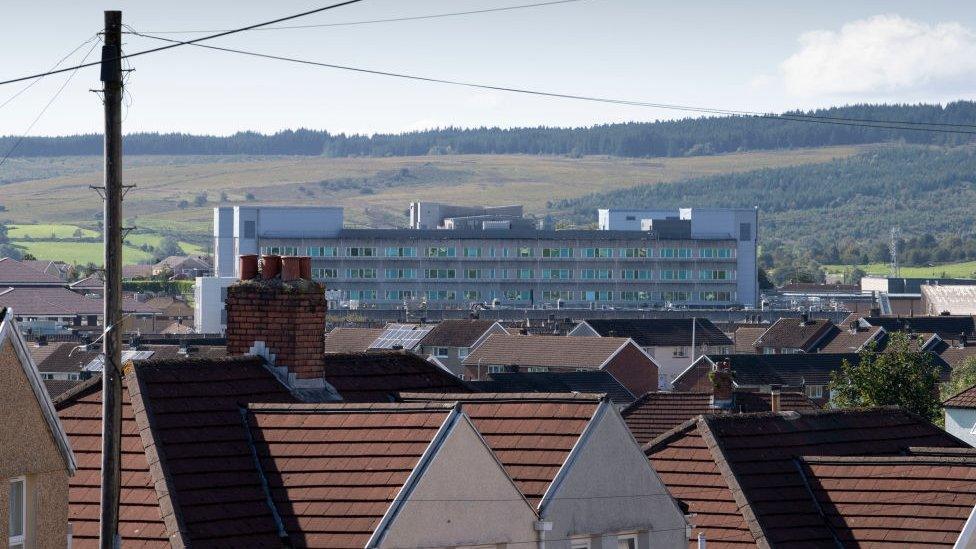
<point x="836" y="212"/>
<point x="687" y="137"/>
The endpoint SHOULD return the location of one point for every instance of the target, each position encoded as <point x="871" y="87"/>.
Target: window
<point x="441" y="295"/>
<point x="401" y="273"/>
<point x="597" y="295"/>
<point x="552" y="253"/>
<point x="715" y="253"/>
<point x="524" y="274"/>
<point x="679" y="352"/>
<point x="707" y="274"/>
<point x="360" y="273"/>
<point x="441" y="251"/>
<point x="441" y="352"/>
<point x="596" y="274"/>
<point x="249" y="229"/>
<point x="627" y="542"/>
<point x="676" y="296"/>
<point x="495" y="369"/>
<point x="636" y="252"/>
<point x="463" y="352"/>
<point x="556" y="274"/>
<point x="472" y="252"/>
<point x="360" y="252"/>
<point x="472" y="273"/>
<point x="522" y="295"/>
<point x="553" y="295"/>
<point x="397" y="295"/>
<point x="279" y="250"/>
<point x="579" y="543"/>
<point x="472" y="294"/>
<point x="635" y="296"/>
<point x="716" y="296"/>
<point x="401" y="252"/>
<point x="362" y="294"/>
<point x="680" y="253"/>
<point x="18" y="512"/>
<point x="525" y="252"/>
<point x="814" y="391"/>
<point x="440" y="273"/>
<point x="325" y="273"/>
<point x="769" y="350"/>
<point x="597" y="252"/>
<point x="745" y="232"/>
<point x="635" y="274"/>
<point x="676" y="274"/>
<point x="323" y="251"/>
<point x="538" y="368"/>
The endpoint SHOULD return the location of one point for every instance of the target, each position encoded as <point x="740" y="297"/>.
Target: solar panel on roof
<point x="405" y="336"/>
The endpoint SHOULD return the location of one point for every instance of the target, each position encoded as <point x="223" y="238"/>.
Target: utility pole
<point x="112" y="319"/>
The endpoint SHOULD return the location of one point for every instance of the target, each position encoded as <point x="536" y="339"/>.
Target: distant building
<point x="451" y="341"/>
<point x="184" y="266"/>
<point x="951" y="299"/>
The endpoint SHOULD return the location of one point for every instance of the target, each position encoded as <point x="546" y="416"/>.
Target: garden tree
<point x="28" y="257"/>
<point x="168" y="246"/>
<point x="963" y="377"/>
<point x="898" y="376"/>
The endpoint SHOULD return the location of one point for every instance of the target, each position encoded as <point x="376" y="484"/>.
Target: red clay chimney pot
<point x="249" y="266"/>
<point x="291" y="268"/>
<point x="306" y="267"/>
<point x="270" y="266"/>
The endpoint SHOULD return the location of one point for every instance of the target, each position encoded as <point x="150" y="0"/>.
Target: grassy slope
<point x="46" y="230"/>
<point x="966" y="269"/>
<point x="162" y="182"/>
<point x="80" y="253"/>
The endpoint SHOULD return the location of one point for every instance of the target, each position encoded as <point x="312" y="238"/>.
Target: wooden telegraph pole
<point x="112" y="320"/>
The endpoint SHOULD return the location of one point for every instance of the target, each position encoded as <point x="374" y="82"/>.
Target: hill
<point x="677" y="138"/>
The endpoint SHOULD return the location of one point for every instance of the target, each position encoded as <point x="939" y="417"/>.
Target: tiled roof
<point x="963" y="399"/>
<point x="55" y="268"/>
<point x="549" y="351"/>
<point x="57" y="387"/>
<point x="790" y="370"/>
<point x="845" y="341"/>
<point x="654" y="332"/>
<point x="176" y="327"/>
<point x="531" y="434"/>
<point x="954" y="355"/>
<point x="136" y="271"/>
<point x="350" y="340"/>
<point x="140" y="519"/>
<point x="62" y="356"/>
<point x="948" y="327"/>
<point x="736" y="473"/>
<point x="893" y="501"/>
<point x="656" y="413"/>
<point x="58" y="301"/>
<point x="93" y="282"/>
<point x="594" y="382"/>
<point x="191" y="261"/>
<point x="456" y="332"/>
<point x="333" y="470"/>
<point x="164" y="301"/>
<point x="13" y="273"/>
<point x="793" y="333"/>
<point x="377" y="376"/>
<point x="746" y="336"/>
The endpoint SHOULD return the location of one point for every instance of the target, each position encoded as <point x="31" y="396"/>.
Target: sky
<point x="765" y="56"/>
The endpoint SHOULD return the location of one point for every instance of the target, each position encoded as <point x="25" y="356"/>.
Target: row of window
<point x="524" y="274"/>
<point x="520" y="252"/>
<point x="547" y="295"/>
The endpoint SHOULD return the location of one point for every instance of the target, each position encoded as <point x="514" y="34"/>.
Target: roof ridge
<point x="894" y="459"/>
<point x="348" y="407"/>
<point x="75" y="392"/>
<point x="967" y="389"/>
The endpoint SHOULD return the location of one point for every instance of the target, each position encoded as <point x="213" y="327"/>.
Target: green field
<point x="47" y="230"/>
<point x="153" y="240"/>
<point x="966" y="269"/>
<point x="80" y="253"/>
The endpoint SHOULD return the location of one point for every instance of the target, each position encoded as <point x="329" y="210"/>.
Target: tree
<point x="764" y="282"/>
<point x="168" y="246"/>
<point x="898" y="376"/>
<point x="963" y="377"/>
<point x="183" y="204"/>
<point x="200" y="199"/>
<point x="223" y="196"/>
<point x="28" y="257"/>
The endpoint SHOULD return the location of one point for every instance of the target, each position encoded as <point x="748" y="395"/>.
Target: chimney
<point x="963" y="340"/>
<point x="249" y="266"/>
<point x="280" y="318"/>
<point x="855" y="326"/>
<point x="804" y="319"/>
<point x="774" y="396"/>
<point x="722" y="385"/>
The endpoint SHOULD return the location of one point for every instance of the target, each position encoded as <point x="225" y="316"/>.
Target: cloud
<point x="882" y="55"/>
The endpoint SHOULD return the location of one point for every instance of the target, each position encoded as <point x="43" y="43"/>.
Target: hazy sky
<point x="756" y="56"/>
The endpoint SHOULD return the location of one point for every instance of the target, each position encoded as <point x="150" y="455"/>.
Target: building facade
<point x="685" y="261"/>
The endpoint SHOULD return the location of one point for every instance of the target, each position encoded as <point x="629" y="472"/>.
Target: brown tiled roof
<point x="737" y="473"/>
<point x="13" y="272"/>
<point x="350" y="340"/>
<point x="548" y="351"/>
<point x="61" y="356"/>
<point x="377" y="376"/>
<point x="963" y="399"/>
<point x="140" y="519"/>
<point x="59" y="301"/>
<point x="745" y="338"/>
<point x="893" y="501"/>
<point x="655" y="332"/>
<point x="955" y="356"/>
<point x="656" y="413"/>
<point x="845" y="341"/>
<point x="136" y="271"/>
<point x="791" y="333"/>
<point x="333" y="470"/>
<point x="57" y="387"/>
<point x="93" y="282"/>
<point x="176" y="327"/>
<point x="456" y="332"/>
<point x="530" y="433"/>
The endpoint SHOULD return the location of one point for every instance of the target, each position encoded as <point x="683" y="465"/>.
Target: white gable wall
<point x="960" y="422"/>
<point x="609" y="487"/>
<point x="439" y="511"/>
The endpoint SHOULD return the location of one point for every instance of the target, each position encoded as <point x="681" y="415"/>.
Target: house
<point x="744" y="338"/>
<point x="743" y="478"/>
<point x="15" y="273"/>
<point x="56" y="309"/>
<point x="92" y="286"/>
<point x="36" y="460"/>
<point x="856" y="338"/>
<point x="598" y="382"/>
<point x="133" y="272"/>
<point x="377" y="376"/>
<point x="674" y="343"/>
<point x="793" y="335"/>
<point x="807" y="373"/>
<point x="401" y="336"/>
<point x="577" y="465"/>
<point x="954" y="299"/>
<point x="59" y="269"/>
<point x="960" y="415"/>
<point x="627" y="362"/>
<point x="947" y="327"/>
<point x="450" y="341"/>
<point x="350" y="339"/>
<point x="656" y="413"/>
<point x="171" y="308"/>
<point x="184" y="266"/>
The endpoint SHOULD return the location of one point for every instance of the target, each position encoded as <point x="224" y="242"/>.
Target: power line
<point x="48" y="105"/>
<point x="178" y="43"/>
<point x="56" y="65"/>
<point x="876" y="124"/>
<point x="390" y="20"/>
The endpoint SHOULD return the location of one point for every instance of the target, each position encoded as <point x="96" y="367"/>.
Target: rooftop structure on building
<point x="955" y="299"/>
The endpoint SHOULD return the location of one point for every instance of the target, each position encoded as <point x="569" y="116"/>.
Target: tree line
<point x="685" y="137"/>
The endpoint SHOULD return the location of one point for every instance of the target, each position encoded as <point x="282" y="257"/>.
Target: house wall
<point x="959" y="422"/>
<point x="670" y="365"/>
<point x="634" y="370"/>
<point x="452" y="361"/>
<point x="611" y="488"/>
<point x="439" y="512"/>
<point x="695" y="380"/>
<point x="28" y="449"/>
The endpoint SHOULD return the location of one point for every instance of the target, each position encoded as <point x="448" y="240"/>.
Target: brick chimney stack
<point x="280" y="314"/>
<point x="722" y="396"/>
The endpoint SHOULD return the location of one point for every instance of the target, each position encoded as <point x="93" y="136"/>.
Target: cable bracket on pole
<point x="100" y="189"/>
<point x="125" y="190"/>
